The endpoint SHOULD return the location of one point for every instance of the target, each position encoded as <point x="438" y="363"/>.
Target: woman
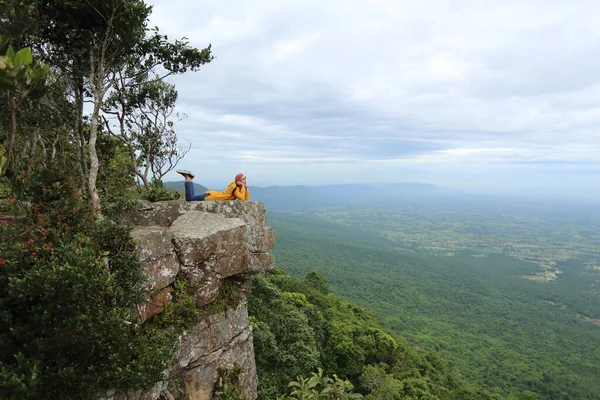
<point x="236" y="190"/>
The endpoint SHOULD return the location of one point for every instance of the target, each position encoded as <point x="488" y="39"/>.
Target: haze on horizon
<point x="466" y="94"/>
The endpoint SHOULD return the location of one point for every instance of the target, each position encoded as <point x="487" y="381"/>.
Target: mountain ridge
<point x="301" y="197"/>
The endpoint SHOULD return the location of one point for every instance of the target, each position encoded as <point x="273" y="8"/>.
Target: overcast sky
<point x="475" y="94"/>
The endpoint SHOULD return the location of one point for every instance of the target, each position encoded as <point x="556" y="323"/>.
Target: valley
<point x="544" y="236"/>
<point x="470" y="283"/>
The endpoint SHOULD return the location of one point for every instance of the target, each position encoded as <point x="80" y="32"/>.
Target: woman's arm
<point x="242" y="193"/>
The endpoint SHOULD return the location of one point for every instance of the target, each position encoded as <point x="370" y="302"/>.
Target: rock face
<point x="202" y="244"/>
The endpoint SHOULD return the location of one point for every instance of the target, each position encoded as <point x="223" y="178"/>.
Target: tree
<point x="19" y="75"/>
<point x="317" y="282"/>
<point x="380" y="384"/>
<point x="141" y="103"/>
<point x="143" y="114"/>
<point x="91" y="41"/>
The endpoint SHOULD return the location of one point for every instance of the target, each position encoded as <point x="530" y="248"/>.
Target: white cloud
<point x="291" y="47"/>
<point x="387" y="87"/>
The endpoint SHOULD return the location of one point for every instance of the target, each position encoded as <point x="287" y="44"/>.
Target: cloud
<point x="391" y="89"/>
<point x="286" y="49"/>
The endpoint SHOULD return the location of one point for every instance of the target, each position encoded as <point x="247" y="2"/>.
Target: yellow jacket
<point x="232" y="192"/>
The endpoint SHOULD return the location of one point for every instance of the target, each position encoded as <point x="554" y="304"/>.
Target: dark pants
<point x="189" y="193"/>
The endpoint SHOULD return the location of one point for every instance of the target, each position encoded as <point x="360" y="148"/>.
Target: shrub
<point x="319" y="387"/>
<point x="68" y="291"/>
<point x="158" y="192"/>
<point x="228" y="384"/>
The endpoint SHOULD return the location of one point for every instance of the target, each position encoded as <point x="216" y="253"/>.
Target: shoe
<point x="185" y="173"/>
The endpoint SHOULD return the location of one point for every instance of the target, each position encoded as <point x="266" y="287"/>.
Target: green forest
<point x="299" y="326"/>
<point x="503" y="332"/>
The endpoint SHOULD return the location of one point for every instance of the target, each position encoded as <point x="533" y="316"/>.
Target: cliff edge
<point x="201" y="245"/>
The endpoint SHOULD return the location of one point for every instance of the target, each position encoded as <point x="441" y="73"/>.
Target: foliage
<point x="18" y="71"/>
<point x="19" y="75"/>
<point x="142" y="110"/>
<point x="115" y="179"/>
<point x="506" y="334"/>
<point x="284" y="336"/>
<point x="68" y="291"/>
<point x="157" y="191"/>
<point x="380" y="384"/>
<point x="183" y="313"/>
<point x="228" y="384"/>
<point x="299" y="327"/>
<point x="5" y="189"/>
<point x="2" y="157"/>
<point x="319" y="387"/>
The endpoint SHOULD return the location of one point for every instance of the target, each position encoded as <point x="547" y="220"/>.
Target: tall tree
<point x="91" y="41"/>
<point x="143" y="114"/>
<point x="141" y="103"/>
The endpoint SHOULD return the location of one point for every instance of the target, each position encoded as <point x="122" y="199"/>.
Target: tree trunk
<point x="144" y="178"/>
<point x="94" y="165"/>
<point x="53" y="154"/>
<point x="96" y="83"/>
<point x="79" y="132"/>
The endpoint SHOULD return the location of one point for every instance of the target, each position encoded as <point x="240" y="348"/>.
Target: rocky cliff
<point x="202" y="245"/>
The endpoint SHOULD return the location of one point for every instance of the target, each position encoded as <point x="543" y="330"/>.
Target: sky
<point x="482" y="94"/>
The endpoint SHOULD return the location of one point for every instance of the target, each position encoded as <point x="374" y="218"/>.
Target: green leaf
<point x="10" y="53"/>
<point x="24" y="57"/>
<point x="314" y="381"/>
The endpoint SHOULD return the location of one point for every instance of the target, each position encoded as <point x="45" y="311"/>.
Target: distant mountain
<point x="291" y="198"/>
<point x="300" y="197"/>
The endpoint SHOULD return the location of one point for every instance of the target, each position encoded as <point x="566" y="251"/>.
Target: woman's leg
<point x="189" y="193"/>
